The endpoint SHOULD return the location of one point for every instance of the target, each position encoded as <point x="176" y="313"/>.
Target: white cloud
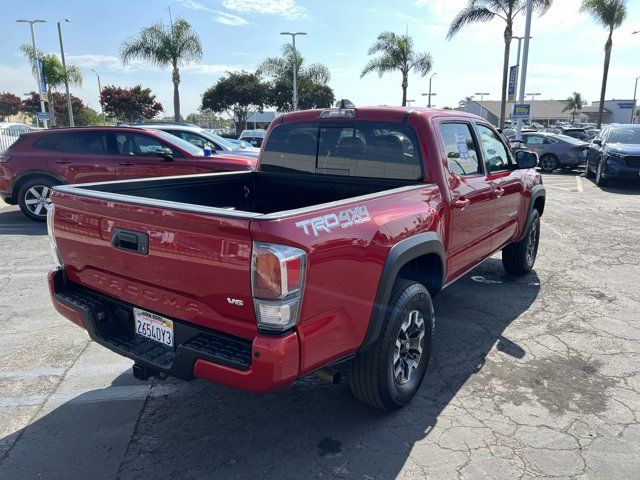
<point x="228" y="19"/>
<point x="193" y="5"/>
<point x="204" y="69"/>
<point x="289" y="9"/>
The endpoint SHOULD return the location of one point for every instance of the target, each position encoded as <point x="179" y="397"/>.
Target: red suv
<point x="39" y="160"/>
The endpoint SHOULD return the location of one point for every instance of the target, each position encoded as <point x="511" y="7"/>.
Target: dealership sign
<point x="521" y="111"/>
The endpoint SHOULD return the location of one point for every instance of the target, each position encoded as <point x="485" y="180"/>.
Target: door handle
<point x="63" y="161"/>
<point x="461" y="203"/>
<point x="499" y="192"/>
<point x="126" y="163"/>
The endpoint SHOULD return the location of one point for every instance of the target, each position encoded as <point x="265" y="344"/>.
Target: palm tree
<point x="610" y="14"/>
<point x="55" y="73"/>
<point x="397" y="52"/>
<point x="463" y="103"/>
<point x="165" y="46"/>
<point x="487" y="10"/>
<point x="574" y="103"/>
<point x="282" y="67"/>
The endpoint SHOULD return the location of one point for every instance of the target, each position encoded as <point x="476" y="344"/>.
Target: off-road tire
<point x="518" y="258"/>
<point x="372" y="377"/>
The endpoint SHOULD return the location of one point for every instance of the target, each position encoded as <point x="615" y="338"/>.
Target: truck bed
<point x="246" y="194"/>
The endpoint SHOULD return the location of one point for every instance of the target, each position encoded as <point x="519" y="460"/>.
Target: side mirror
<point x="526" y="160"/>
<point x="596" y="141"/>
<point x="165" y="153"/>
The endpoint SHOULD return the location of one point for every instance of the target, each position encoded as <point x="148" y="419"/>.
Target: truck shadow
<point x="309" y="430"/>
<point x="14" y="222"/>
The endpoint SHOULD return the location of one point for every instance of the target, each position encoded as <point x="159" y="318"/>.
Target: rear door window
<point x="358" y="149"/>
<point x="83" y="142"/>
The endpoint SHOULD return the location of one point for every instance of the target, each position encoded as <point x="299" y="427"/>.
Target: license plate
<point x="154" y="326"/>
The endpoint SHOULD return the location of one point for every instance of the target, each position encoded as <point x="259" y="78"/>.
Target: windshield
<point x="218" y="139"/>
<point x="625" y="135"/>
<point x="183" y="144"/>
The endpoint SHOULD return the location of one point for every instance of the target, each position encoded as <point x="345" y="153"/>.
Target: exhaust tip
<point x="329" y="375"/>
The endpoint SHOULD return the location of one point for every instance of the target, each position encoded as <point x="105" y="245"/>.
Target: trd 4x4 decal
<point x="344" y="219"/>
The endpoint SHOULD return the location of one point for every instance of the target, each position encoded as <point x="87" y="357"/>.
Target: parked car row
<point x="37" y="161"/>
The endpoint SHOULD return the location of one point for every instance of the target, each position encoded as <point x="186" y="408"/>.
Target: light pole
<point x="533" y="97"/>
<point x="66" y="77"/>
<point x="99" y="95"/>
<point x="295" y="67"/>
<point x="35" y="54"/>
<point x="525" y="61"/>
<point x="482" y="94"/>
<point x="635" y="96"/>
<point x="518" y="57"/>
<point x="429" y="95"/>
<point x="431" y="78"/>
<point x="409" y="102"/>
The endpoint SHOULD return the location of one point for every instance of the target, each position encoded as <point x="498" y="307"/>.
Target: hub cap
<point x="37" y="199"/>
<point x="408" y="348"/>
<point x="532" y="243"/>
<point x="548" y="163"/>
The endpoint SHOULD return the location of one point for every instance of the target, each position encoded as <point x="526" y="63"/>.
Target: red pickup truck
<point x="330" y="252"/>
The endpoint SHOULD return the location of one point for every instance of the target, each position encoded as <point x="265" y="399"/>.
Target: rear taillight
<point x="277" y="281"/>
<point x="52" y="238"/>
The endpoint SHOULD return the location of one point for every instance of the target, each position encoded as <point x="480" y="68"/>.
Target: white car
<point x="202" y="138"/>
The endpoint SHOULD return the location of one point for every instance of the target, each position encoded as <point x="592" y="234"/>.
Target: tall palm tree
<point x="397" y="52"/>
<point x="574" y="103"/>
<point x="487" y="10"/>
<point x="55" y="73"/>
<point x="463" y="103"/>
<point x="610" y="14"/>
<point x="163" y="45"/>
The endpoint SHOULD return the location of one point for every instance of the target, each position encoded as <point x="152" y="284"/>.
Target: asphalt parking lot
<point x="531" y="377"/>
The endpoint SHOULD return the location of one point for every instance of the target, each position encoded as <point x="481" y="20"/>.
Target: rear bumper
<point x="263" y="364"/>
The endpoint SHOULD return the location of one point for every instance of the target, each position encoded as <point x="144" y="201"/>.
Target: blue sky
<point x="566" y="51"/>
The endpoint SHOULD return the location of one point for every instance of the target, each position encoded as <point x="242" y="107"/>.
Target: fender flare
<point x="399" y="255"/>
<point x="536" y="192"/>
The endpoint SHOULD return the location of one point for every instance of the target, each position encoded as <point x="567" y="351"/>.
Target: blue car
<point x="614" y="153"/>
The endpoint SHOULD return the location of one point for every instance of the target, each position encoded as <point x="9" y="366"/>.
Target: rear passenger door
<point x="82" y="156"/>
<point x="507" y="185"/>
<point x="471" y="197"/>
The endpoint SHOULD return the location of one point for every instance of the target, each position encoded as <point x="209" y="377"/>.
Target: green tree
<point x="610" y="14"/>
<point x="487" y="10"/>
<point x="10" y="104"/>
<point x="163" y="45"/>
<point x="129" y="104"/>
<point x="574" y="103"/>
<point x="397" y="52"/>
<point x="239" y="94"/>
<point x="312" y="80"/>
<point x="55" y="74"/>
<point x="463" y="103"/>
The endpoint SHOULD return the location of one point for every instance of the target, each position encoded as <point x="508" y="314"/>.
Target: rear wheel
<point x="388" y="374"/>
<point x="600" y="180"/>
<point x="548" y="163"/>
<point x="518" y="258"/>
<point x="34" y="197"/>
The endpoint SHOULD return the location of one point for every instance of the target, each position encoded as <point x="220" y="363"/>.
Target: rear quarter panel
<point x="345" y="263"/>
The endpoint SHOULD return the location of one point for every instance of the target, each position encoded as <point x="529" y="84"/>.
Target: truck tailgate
<point x="196" y="267"/>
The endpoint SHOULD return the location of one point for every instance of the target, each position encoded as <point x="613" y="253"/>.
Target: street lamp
<point x="295" y="67"/>
<point x="635" y="94"/>
<point x="482" y="94"/>
<point x="518" y="57"/>
<point x="533" y="97"/>
<point x="66" y="77"/>
<point x="409" y="102"/>
<point x="431" y="78"/>
<point x="429" y="95"/>
<point x="35" y="54"/>
<point x="99" y="95"/>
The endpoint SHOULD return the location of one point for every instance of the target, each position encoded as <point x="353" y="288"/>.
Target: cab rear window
<point x="356" y="149"/>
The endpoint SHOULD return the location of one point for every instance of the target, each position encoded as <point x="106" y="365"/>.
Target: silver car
<point x="556" y="151"/>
